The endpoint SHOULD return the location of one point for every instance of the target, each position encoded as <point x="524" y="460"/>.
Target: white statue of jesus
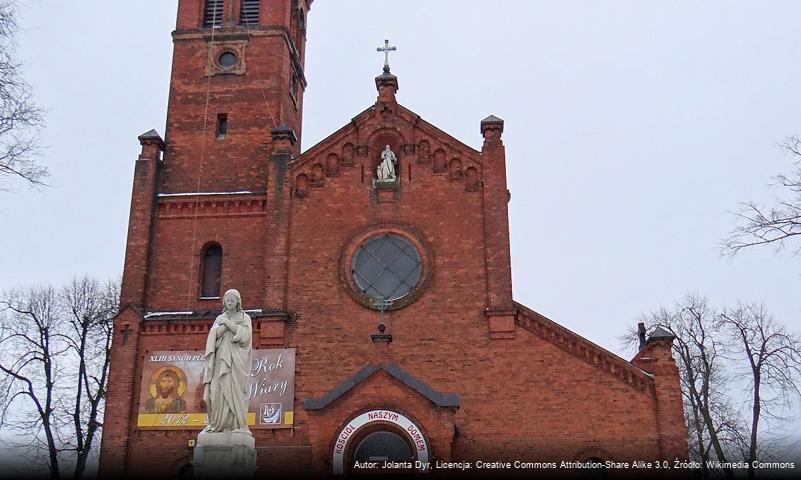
<point x="386" y="169"/>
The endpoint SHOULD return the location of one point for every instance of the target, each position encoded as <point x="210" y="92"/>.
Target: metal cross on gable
<point x="382" y="305"/>
<point x="385" y="50"/>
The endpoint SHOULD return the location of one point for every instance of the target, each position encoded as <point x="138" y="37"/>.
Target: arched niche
<point x="424" y="152"/>
<point x="439" y="161"/>
<point x="302" y="185"/>
<point x="455" y="170"/>
<point x="317" y="175"/>
<point x="378" y="141"/>
<point x="332" y="165"/>
<point x="471" y="179"/>
<point x="348" y="152"/>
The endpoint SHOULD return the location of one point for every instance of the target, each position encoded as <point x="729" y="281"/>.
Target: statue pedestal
<point x="224" y="455"/>
<point x="385" y="190"/>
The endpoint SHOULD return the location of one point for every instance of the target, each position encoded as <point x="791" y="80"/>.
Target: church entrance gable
<point x="386" y="400"/>
<point x="393" y="370"/>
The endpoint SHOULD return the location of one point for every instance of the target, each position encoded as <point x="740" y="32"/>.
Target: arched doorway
<point x="380" y="441"/>
<point x="383" y="446"/>
<point x="382" y="451"/>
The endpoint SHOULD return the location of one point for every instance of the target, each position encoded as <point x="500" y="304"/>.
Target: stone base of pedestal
<point x="385" y="190"/>
<point x="224" y="455"/>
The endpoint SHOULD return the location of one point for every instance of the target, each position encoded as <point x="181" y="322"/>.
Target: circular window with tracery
<point x="386" y="268"/>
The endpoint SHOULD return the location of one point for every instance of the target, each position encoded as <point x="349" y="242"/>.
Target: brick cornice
<point x="578" y="346"/>
<point x="212" y="205"/>
<point x="199" y="321"/>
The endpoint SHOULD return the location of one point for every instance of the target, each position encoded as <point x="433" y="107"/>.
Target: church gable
<point x="421" y="150"/>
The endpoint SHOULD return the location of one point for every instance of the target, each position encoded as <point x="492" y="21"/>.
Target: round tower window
<point x="386" y="268"/>
<point x="227" y="59"/>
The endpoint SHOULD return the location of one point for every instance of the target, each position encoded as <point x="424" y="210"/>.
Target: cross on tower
<point x="126" y="330"/>
<point x="385" y="50"/>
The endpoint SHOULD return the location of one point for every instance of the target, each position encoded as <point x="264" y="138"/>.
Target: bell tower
<point x="237" y="73"/>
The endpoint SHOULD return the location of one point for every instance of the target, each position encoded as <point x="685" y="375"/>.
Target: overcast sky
<point x="632" y="128"/>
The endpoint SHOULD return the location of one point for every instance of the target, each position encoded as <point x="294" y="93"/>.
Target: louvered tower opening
<point x="213" y="13"/>
<point x="249" y="16"/>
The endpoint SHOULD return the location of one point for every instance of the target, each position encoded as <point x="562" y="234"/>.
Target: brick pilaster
<point x="140" y="223"/>
<point x="278" y="199"/>
<point x="500" y="309"/>
<point x="656" y="358"/>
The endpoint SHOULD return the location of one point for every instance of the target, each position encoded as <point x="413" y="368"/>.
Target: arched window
<point x="213" y="14"/>
<point x="249" y="13"/>
<point x="211" y="271"/>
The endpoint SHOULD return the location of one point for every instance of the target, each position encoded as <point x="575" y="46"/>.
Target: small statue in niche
<point x="386" y="169"/>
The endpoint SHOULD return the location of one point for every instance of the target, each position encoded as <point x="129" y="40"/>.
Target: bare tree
<point x="20" y="117"/>
<point x="774" y="225"/>
<point x="90" y="308"/>
<point x="713" y="422"/>
<point x="31" y="359"/>
<point x="773" y="364"/>
<point x="718" y="352"/>
<point x="54" y="362"/>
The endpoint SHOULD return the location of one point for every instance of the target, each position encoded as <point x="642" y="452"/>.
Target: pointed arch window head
<point x="213" y="14"/>
<point x="211" y="271"/>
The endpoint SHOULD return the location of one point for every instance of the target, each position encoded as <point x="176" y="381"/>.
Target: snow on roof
<point x="194" y="194"/>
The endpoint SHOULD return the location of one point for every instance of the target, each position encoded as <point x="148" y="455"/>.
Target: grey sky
<point x="631" y="129"/>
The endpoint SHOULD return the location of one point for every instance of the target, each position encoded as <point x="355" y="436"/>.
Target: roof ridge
<point x="440" y="399"/>
<point x="582" y="348"/>
<point x="305" y="156"/>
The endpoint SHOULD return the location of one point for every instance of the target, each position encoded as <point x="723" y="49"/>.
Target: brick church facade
<point x="394" y="297"/>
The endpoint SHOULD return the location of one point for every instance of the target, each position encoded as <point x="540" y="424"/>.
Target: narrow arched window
<point x="211" y="271"/>
<point x="249" y="13"/>
<point x="213" y="14"/>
